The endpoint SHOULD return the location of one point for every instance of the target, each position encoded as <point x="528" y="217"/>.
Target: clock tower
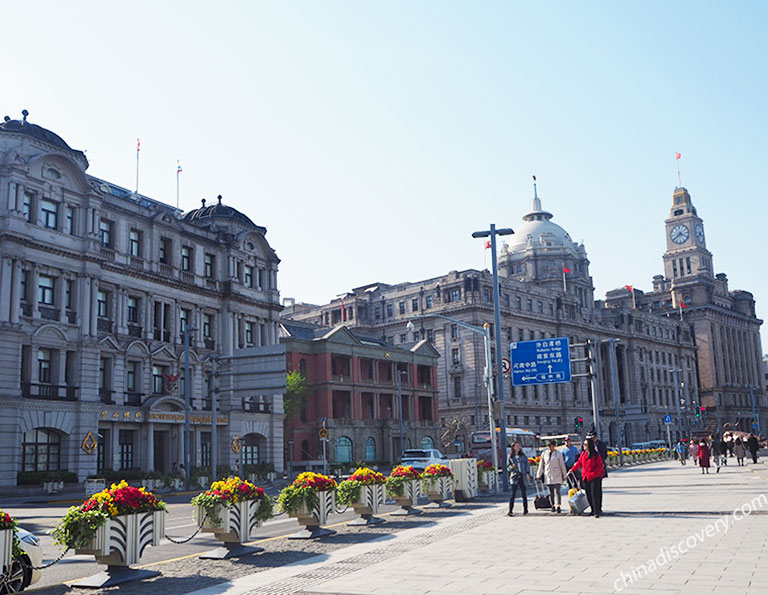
<point x="687" y="262"/>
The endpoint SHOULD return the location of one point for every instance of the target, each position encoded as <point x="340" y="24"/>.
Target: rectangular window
<point x="131" y="377"/>
<point x="674" y="268"/>
<point x="551" y="310"/>
<point x="455" y="357"/>
<point x="429" y="302"/>
<point x="209" y="262"/>
<point x="44" y="359"/>
<point x="49" y="211"/>
<point x="133" y="309"/>
<point x="165" y="250"/>
<point x="539" y="307"/>
<point x="506" y="300"/>
<point x="455" y="295"/>
<point x="403" y="337"/>
<point x="486" y="294"/>
<point x="104" y="373"/>
<point x="530" y="305"/>
<point x="23" y="288"/>
<point x="401" y="306"/>
<point x="430" y="335"/>
<point x="454" y="331"/>
<point x="414" y="305"/>
<point x="184" y="315"/>
<point x="248" y="281"/>
<point x="186" y="258"/>
<point x="26" y="207"/>
<point x="134" y="243"/>
<point x="207" y="325"/>
<point x="69" y="288"/>
<point x="457" y="387"/>
<point x="157" y="380"/>
<point x="45" y="286"/>
<point x="69" y="220"/>
<point x="389" y="310"/>
<point x="102" y="304"/>
<point x="377" y="313"/>
<point x="417" y="336"/>
<point x="249" y="333"/>
<point x="518" y="302"/>
<point x="688" y="264"/>
<point x="105" y="233"/>
<point x="126" y="448"/>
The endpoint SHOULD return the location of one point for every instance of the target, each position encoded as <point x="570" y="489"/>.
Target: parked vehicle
<point x="22" y="574"/>
<point x="421" y="459"/>
<point x="480" y="444"/>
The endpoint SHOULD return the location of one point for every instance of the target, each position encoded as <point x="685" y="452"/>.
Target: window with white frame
<point x="45" y="286"/>
<point x="134" y="243"/>
<point x="49" y="212"/>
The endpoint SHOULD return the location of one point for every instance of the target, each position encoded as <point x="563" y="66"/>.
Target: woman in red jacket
<point x="592" y="472"/>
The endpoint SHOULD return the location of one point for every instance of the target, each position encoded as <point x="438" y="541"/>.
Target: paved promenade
<point x="667" y="529"/>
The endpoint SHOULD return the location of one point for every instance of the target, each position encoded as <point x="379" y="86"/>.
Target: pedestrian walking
<point x="693" y="448"/>
<point x="703" y="456"/>
<point x="519" y="470"/>
<point x="753" y="445"/>
<point x="739" y="451"/>
<point x="592" y="472"/>
<point x="681" y="448"/>
<point x="552" y="473"/>
<point x="716" y="451"/>
<point x="729" y="443"/>
<point x="602" y="449"/>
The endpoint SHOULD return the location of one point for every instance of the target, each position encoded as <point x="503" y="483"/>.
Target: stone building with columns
<point x="98" y="285"/>
<point x="546" y="291"/>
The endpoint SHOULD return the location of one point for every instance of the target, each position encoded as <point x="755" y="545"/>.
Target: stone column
<point x="149" y="455"/>
<point x="34" y="282"/>
<point x="6" y="281"/>
<point x="60" y="297"/>
<point x="120" y="311"/>
<point x="115" y="435"/>
<point x="84" y="297"/>
<point x="94" y="307"/>
<point x="148" y="313"/>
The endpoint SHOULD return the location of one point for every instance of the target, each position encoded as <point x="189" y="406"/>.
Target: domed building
<point x="99" y="286"/>
<point x="542" y="253"/>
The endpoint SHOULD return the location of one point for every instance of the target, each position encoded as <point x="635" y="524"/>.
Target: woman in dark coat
<point x="702" y="454"/>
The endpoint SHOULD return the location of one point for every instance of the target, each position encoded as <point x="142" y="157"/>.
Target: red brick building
<point x="354" y="395"/>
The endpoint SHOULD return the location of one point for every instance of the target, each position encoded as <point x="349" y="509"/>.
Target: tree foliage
<point x="296" y="394"/>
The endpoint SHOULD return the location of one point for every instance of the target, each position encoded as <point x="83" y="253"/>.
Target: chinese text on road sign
<point x="545" y="361"/>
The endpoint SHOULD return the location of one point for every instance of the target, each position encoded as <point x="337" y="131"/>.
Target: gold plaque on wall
<point x="237" y="444"/>
<point x="89" y="444"/>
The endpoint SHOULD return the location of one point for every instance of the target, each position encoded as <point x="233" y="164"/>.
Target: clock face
<point x="700" y="233"/>
<point x="679" y="233"/>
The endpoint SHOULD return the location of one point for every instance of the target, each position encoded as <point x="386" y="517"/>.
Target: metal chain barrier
<point x="180" y="541"/>
<point x="49" y="564"/>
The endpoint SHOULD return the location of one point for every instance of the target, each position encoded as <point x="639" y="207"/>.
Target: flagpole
<point x="178" y="170"/>
<point x="138" y="150"/>
<point x="565" y="288"/>
<point x="634" y="303"/>
<point x="677" y="158"/>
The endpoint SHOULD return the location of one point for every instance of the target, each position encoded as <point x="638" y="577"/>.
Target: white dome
<point x="538" y="232"/>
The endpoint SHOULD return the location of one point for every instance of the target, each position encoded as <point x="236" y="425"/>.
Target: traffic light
<point x="576" y="424"/>
<point x="581" y="422"/>
<point x="701" y="411"/>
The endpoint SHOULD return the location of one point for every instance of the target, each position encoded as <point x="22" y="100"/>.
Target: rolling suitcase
<point x="577" y="502"/>
<point x="541" y="500"/>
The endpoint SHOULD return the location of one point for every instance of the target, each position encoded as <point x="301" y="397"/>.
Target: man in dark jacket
<point x="602" y="449"/>
<point x="753" y="445"/>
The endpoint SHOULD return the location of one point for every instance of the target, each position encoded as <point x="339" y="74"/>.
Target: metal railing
<point x="42" y="390"/>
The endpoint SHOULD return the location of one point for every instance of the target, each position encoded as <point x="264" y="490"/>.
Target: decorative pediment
<point x="164" y="353"/>
<point x="109" y="343"/>
<point x="137" y="348"/>
<point x="424" y="347"/>
<point x="50" y="332"/>
<point x="341" y="334"/>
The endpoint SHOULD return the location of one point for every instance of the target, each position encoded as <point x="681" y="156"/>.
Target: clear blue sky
<point x="372" y="138"/>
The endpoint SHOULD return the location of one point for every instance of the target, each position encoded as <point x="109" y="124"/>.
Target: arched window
<point x="370" y="450"/>
<point x="42" y="450"/>
<point x="427" y="442"/>
<point x="303" y="367"/>
<point x="343" y="450"/>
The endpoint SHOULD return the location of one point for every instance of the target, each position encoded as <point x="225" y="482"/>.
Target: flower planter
<point x="487" y="481"/>
<point x="177" y="484"/>
<point x="368" y="504"/>
<point x="233" y="527"/>
<point x="464" y="478"/>
<point x="119" y="543"/>
<point x="409" y="499"/>
<point x="202" y="481"/>
<point x="437" y="490"/>
<point x="6" y="548"/>
<point x="312" y="519"/>
<point x="53" y="487"/>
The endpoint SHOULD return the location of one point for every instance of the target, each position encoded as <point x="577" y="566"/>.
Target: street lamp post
<point x="755" y="416"/>
<point x="493" y="232"/>
<point x="615" y="391"/>
<point x="214" y="410"/>
<point x="187" y="399"/>
<point x="677" y="403"/>
<point x="488" y="379"/>
<point x="400" y="405"/>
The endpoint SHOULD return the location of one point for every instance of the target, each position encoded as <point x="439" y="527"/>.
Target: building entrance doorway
<point x="162" y="451"/>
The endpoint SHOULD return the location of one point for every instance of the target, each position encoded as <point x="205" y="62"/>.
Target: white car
<point x="420" y="459"/>
<point x="22" y="573"/>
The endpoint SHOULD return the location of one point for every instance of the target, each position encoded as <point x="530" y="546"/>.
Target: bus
<point x="480" y="444"/>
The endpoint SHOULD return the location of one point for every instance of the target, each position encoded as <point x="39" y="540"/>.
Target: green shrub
<point x="28" y="478"/>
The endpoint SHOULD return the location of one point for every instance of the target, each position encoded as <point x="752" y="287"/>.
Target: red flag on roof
<point x="566" y="269"/>
<point x="682" y="304"/>
<point x="629" y="287"/>
<point x="677" y="155"/>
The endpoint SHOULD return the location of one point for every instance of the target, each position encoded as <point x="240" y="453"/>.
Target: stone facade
<point x="354" y="394"/>
<point x="98" y="285"/>
<point x="545" y="292"/>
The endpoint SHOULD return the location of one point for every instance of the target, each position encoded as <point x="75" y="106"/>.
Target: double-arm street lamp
<point x="485" y="330"/>
<point x="492" y="233"/>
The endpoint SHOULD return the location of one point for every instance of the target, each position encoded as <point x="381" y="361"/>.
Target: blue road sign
<point x="755" y="425"/>
<point x="545" y="361"/>
<point x="667" y="419"/>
